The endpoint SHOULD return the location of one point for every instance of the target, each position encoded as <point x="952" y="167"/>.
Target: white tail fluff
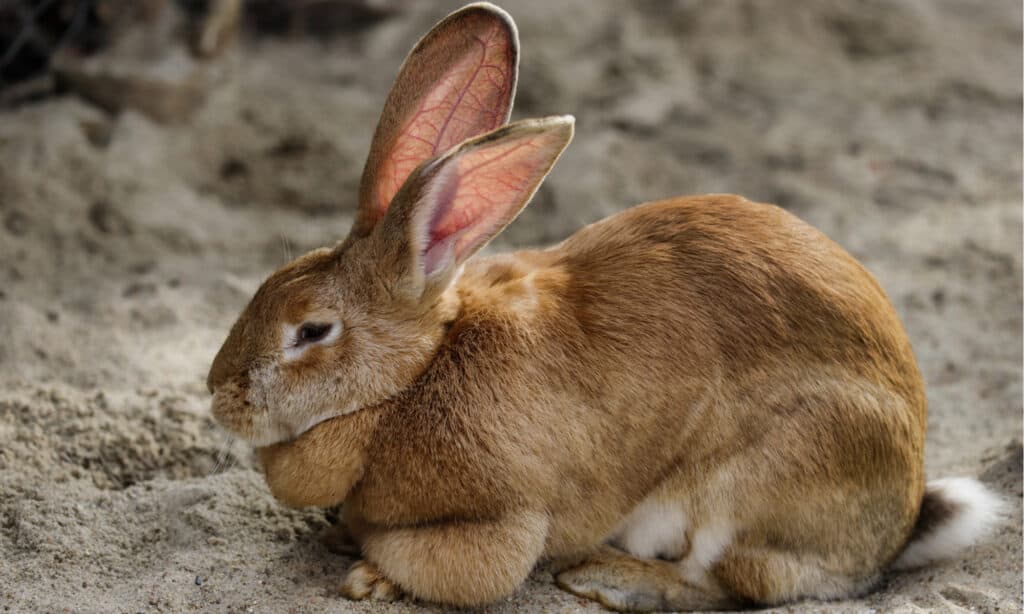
<point x="955" y="514"/>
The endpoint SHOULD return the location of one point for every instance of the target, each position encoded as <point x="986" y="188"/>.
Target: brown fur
<point x="765" y="355"/>
<point x="712" y="354"/>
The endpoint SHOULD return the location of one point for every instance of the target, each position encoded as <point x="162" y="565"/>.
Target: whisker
<point x="230" y="462"/>
<point x="224" y="458"/>
<point x="287" y="248"/>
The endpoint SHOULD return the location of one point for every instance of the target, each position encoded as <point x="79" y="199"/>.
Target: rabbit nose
<point x="214" y="378"/>
<point x="222" y="368"/>
<point x="217" y="376"/>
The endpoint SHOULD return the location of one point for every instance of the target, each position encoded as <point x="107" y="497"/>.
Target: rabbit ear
<point x="458" y="82"/>
<point x="452" y="206"/>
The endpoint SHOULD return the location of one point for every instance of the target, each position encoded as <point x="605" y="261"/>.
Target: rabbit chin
<point x="267" y="431"/>
<point x="269" y="435"/>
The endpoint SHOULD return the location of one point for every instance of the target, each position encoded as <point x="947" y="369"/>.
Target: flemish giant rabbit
<point x="697" y="403"/>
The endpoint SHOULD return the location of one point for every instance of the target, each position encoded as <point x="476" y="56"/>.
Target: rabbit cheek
<point x="292" y="398"/>
<point x="272" y="405"/>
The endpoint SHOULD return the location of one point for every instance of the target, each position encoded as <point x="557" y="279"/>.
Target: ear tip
<point x="565" y="124"/>
<point x="491" y="10"/>
<point x="487" y="7"/>
<point x="553" y="125"/>
<point x="550" y="121"/>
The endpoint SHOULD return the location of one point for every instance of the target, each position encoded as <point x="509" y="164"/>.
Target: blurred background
<point x="159" y="158"/>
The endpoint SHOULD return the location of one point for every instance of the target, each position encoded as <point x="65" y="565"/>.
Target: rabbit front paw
<point x="365" y="581"/>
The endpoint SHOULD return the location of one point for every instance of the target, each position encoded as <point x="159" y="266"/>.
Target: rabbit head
<point x="346" y="327"/>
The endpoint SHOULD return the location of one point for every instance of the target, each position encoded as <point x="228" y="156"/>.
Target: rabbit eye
<point x="310" y="332"/>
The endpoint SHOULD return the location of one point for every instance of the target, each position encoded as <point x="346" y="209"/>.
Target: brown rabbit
<point x="696" y="403"/>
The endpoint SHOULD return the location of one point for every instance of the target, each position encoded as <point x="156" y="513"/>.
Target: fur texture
<point x="955" y="513"/>
<point x="707" y="383"/>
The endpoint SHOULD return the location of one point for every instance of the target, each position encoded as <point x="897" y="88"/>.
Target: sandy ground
<point x="128" y="247"/>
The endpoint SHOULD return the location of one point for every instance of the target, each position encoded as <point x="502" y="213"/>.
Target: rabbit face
<point x="319" y="339"/>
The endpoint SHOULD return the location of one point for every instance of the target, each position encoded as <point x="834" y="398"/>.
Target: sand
<point x="127" y="248"/>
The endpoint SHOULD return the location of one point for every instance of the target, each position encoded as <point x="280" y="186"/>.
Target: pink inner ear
<point x="485" y="180"/>
<point x="470" y="99"/>
<point x="482" y="190"/>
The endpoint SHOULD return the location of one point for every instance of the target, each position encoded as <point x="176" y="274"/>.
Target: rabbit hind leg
<point x="620" y="581"/>
<point x="741" y="577"/>
<point x="767" y="577"/>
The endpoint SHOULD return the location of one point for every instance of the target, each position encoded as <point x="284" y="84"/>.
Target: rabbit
<point x="696" y="403"/>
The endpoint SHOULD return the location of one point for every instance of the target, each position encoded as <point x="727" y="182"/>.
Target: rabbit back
<point x="709" y="346"/>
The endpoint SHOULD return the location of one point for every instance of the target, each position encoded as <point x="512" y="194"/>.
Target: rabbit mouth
<point x="255" y="408"/>
<point x="241" y="406"/>
<point x="262" y="424"/>
<point x="254" y="425"/>
<point x="234" y="410"/>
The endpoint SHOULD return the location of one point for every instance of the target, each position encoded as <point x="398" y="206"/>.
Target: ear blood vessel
<point x="698" y="403"/>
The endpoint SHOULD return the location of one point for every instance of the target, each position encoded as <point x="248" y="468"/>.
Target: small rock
<point x="107" y="219"/>
<point x="290" y="146"/>
<point x="143" y="267"/>
<point x="16" y="223"/>
<point x="98" y="133"/>
<point x="284" y="534"/>
<point x="232" y="168"/>
<point x="137" y="288"/>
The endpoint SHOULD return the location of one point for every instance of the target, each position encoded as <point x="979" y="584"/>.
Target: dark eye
<point x="311" y="332"/>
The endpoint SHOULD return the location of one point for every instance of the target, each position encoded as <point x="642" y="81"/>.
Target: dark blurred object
<point x="52" y="45"/>
<point x="217" y="28"/>
<point x="321" y="18"/>
<point x="32" y="32"/>
<point x="163" y="99"/>
<point x="148" y="51"/>
<point x="149" y="66"/>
